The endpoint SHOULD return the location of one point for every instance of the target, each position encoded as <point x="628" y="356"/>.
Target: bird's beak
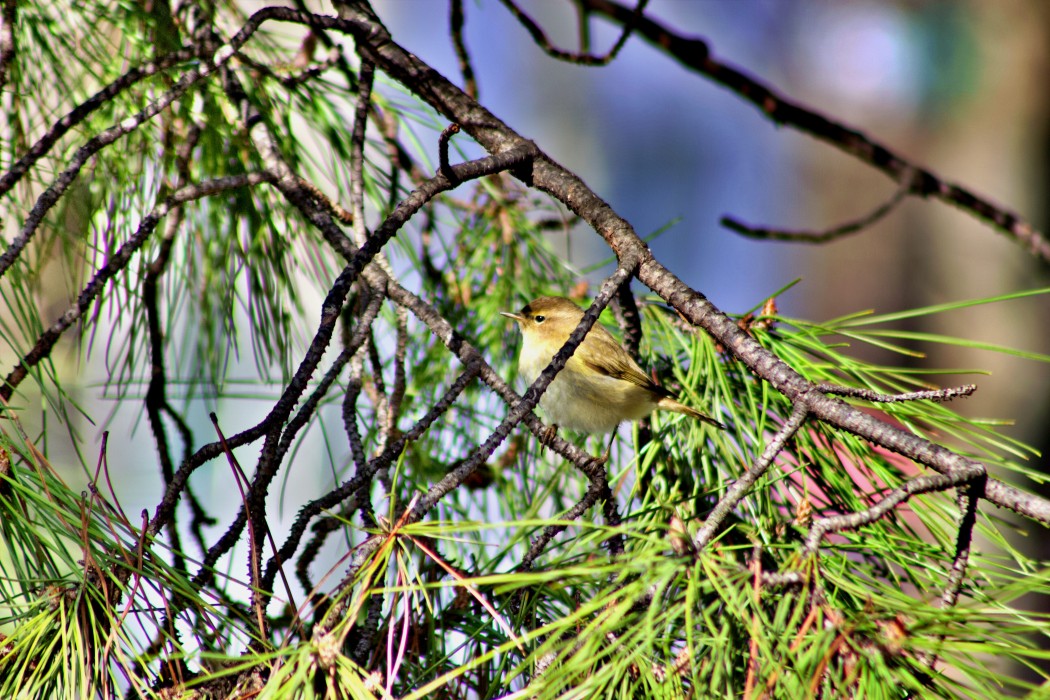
<point x="517" y="317"/>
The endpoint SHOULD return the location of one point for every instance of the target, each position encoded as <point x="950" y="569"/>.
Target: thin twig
<point x="967" y="499"/>
<point x="156" y="401"/>
<point x="341" y="215"/>
<point x="241" y="479"/>
<point x="963" y="541"/>
<point x="341" y="62"/>
<point x="292" y="81"/>
<point x="309" y="407"/>
<point x="625" y="309"/>
<point x="321" y="529"/>
<point x="466" y="69"/>
<point x="443" y="139"/>
<point x="827" y="235"/>
<point x="594" y="492"/>
<point x="357" y="150"/>
<point x="353" y="388"/>
<point x="735" y="493"/>
<point x="270" y="425"/>
<point x="397" y="391"/>
<point x="582" y="58"/>
<point x="938" y="395"/>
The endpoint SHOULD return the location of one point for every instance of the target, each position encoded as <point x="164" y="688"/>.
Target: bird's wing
<point x="609" y="359"/>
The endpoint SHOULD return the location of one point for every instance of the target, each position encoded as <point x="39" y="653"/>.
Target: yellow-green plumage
<point x="601" y="385"/>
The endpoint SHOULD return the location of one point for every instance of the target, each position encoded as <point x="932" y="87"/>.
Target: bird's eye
<point x="540" y="318"/>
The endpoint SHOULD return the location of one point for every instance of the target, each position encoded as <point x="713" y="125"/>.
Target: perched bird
<point x="601" y="385"/>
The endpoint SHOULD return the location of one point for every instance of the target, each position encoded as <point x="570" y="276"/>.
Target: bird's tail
<point x="669" y="404"/>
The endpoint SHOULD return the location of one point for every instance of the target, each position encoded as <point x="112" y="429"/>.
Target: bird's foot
<point x="548" y="435"/>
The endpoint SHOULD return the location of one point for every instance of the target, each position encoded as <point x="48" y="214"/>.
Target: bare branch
<point x="357" y="151"/>
<point x="443" y="140"/>
<point x="831" y="234"/>
<point x="583" y="57"/>
<point x="938" y="395"/>
<point x="456" y="21"/>
<point x="693" y="53"/>
<point x="913" y="487"/>
<point x="594" y="493"/>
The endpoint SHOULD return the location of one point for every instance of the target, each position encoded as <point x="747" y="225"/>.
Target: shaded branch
<point x="967" y="500"/>
<point x="913" y="487"/>
<point x="963" y="542"/>
<point x="594" y="492"/>
<point x="456" y="21"/>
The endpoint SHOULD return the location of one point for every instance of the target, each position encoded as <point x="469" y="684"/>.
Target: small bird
<point x="601" y="385"/>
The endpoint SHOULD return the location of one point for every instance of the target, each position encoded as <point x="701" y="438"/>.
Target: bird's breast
<point x="581" y="399"/>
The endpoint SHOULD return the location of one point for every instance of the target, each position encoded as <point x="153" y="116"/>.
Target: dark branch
<point x="831" y="234"/>
<point x="693" y="53"/>
<point x="456" y="21"/>
<point x="913" y="487"/>
<point x="582" y="57"/>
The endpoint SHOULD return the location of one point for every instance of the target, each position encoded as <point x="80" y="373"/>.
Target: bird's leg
<point x="548" y="435"/>
<point x="608" y="450"/>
